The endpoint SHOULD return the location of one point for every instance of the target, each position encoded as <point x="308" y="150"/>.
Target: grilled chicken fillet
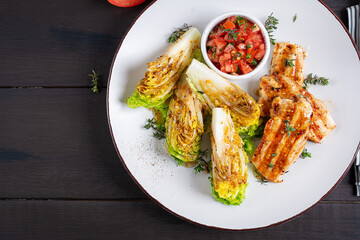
<point x="288" y="60"/>
<point x="272" y="86"/>
<point x="284" y="137"/>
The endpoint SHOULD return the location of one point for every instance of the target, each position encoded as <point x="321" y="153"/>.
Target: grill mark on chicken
<point x="287" y="145"/>
<point x="283" y="51"/>
<point x="272" y="86"/>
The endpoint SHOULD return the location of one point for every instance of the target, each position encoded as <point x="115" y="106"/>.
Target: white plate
<point x="330" y="53"/>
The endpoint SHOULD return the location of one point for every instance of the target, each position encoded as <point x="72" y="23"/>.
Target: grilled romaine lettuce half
<point x="216" y="91"/>
<point x="248" y="134"/>
<point x="163" y="73"/>
<point x="229" y="169"/>
<point x="160" y="115"/>
<point x="184" y="123"/>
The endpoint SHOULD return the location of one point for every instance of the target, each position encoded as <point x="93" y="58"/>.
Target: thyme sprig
<point x="201" y="164"/>
<point x="178" y="32"/>
<point x="270" y="26"/>
<point x="305" y="154"/>
<point x="289" y="62"/>
<point x="260" y="178"/>
<point x="314" y="79"/>
<point x="288" y="128"/>
<point x="95" y="81"/>
<point x="158" y="133"/>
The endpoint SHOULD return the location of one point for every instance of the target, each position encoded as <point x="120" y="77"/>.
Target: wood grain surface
<point x="60" y="175"/>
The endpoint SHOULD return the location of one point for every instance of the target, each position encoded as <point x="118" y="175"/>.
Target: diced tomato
<point x="225" y="57"/>
<point x="210" y="43"/>
<point x="220" y="42"/>
<point x="259" y="54"/>
<point x="235" y="46"/>
<point x="216" y="33"/>
<point x="255" y="39"/>
<point x="229" y="48"/>
<point x="230" y="67"/>
<point x="230" y="38"/>
<point x="244" y="67"/>
<point x="232" y="18"/>
<point x="250" y="56"/>
<point x="249" y="48"/>
<point x="229" y="25"/>
<point x="219" y="51"/>
<point x="222" y="68"/>
<point x="241" y="46"/>
<point x="213" y="57"/>
<point x="255" y="28"/>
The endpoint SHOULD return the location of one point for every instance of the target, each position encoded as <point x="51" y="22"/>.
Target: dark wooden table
<point x="60" y="176"/>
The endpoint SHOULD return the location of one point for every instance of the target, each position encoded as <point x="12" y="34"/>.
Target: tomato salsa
<point x="236" y="45"/>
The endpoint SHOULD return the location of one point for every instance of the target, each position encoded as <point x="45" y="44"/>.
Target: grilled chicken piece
<point x="271" y="86"/>
<point x="284" y="137"/>
<point x="284" y="56"/>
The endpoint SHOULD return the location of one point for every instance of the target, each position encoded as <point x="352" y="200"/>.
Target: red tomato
<point x="230" y="67"/>
<point x="229" y="48"/>
<point x="244" y="67"/>
<point x="220" y="43"/>
<point x="125" y="3"/>
<point x="229" y="25"/>
<point x="260" y="54"/>
<point x="234" y="48"/>
<point x="216" y="33"/>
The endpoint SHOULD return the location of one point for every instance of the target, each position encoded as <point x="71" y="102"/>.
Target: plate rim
<point x="177" y="214"/>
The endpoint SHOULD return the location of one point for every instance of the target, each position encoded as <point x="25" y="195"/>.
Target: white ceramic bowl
<point x="216" y="21"/>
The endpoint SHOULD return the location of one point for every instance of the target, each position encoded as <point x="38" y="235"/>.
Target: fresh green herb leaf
<point x="263" y="180"/>
<point x="239" y="18"/>
<point x="150" y="123"/>
<point x="289" y="62"/>
<point x="305" y="154"/>
<point x="248" y="46"/>
<point x="95" y="81"/>
<point x="178" y="161"/>
<point x="288" y="128"/>
<point x="270" y="26"/>
<point x="277" y="80"/>
<point x="158" y="133"/>
<point x="271" y="165"/>
<point x="260" y="177"/>
<point x="314" y="79"/>
<point x="231" y="33"/>
<point x="214" y="52"/>
<point x="178" y="32"/>
<point x="253" y="62"/>
<point x="274" y="154"/>
<point x="248" y="56"/>
<point x="253" y="26"/>
<point x="201" y="164"/>
<point x="294" y="17"/>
